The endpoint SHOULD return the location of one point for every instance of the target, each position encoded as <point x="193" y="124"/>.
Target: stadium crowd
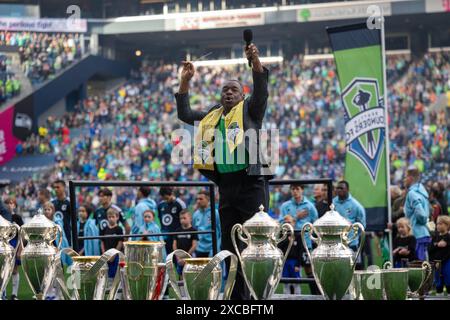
<point x="42" y="55"/>
<point x="9" y="84"/>
<point x="126" y="134"/>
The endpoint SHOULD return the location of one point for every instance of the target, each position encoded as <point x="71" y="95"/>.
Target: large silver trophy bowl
<point x="333" y="262"/>
<point x="88" y="276"/>
<point x="39" y="255"/>
<point x="144" y="272"/>
<point x="202" y="277"/>
<point x="8" y="231"/>
<point x="262" y="261"/>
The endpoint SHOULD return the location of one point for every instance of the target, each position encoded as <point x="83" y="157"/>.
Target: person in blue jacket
<point x="144" y="203"/>
<point x="87" y="227"/>
<point x="201" y="220"/>
<point x="49" y="213"/>
<point x="417" y="210"/>
<point x="352" y="210"/>
<point x="11" y="207"/>
<point x="300" y="208"/>
<point x="150" y="227"/>
<point x="4" y="212"/>
<point x="302" y="211"/>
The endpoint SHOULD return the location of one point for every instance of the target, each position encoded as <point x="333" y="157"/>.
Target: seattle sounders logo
<point x="203" y="151"/>
<point x="233" y="131"/>
<point x="365" y="123"/>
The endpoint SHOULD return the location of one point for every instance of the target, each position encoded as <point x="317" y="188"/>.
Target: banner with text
<point x="8" y="141"/>
<point x="347" y="10"/>
<point x="43" y="25"/>
<point x="359" y="61"/>
<point x="223" y="20"/>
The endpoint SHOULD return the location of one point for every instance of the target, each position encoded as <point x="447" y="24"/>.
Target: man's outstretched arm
<point x="185" y="113"/>
<point x="258" y="100"/>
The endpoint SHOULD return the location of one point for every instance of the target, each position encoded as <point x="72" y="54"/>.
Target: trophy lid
<point x="39" y="225"/>
<point x="261" y="219"/>
<point x="331" y="222"/>
<point x="5" y="227"/>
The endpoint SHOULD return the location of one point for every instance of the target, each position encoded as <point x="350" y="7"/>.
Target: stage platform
<point x="308" y="297"/>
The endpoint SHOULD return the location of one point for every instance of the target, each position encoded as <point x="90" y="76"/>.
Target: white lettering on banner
<point x="43" y="25"/>
<point x="25" y="168"/>
<point x="3" y="149"/>
<point x="364" y="122"/>
<point x="338" y="13"/>
<point x="219" y="21"/>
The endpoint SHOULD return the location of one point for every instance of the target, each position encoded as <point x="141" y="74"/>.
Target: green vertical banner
<point x="358" y="52"/>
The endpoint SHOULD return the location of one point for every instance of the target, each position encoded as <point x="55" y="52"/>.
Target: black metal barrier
<point x="210" y="185"/>
<point x="73" y="214"/>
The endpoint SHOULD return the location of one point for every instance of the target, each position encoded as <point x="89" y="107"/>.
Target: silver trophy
<point x="420" y="278"/>
<point x="202" y="277"/>
<point x="144" y="273"/>
<point x="88" y="278"/>
<point x="333" y="262"/>
<point x="39" y="255"/>
<point x="262" y="261"/>
<point x="8" y="231"/>
<point x="395" y="282"/>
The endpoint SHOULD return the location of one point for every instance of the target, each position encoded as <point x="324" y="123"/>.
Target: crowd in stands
<point x="9" y="84"/>
<point x="419" y="135"/>
<point x="126" y="133"/>
<point x="42" y="55"/>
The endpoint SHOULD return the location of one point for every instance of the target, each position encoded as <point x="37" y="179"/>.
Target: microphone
<point x="248" y="37"/>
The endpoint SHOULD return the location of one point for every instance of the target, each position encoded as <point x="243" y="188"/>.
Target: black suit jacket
<point x="254" y="110"/>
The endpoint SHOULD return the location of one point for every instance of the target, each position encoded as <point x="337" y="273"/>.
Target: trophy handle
<point x="15" y="230"/>
<point x="428" y="273"/>
<point x="215" y="261"/>
<point x="21" y="239"/>
<point x="123" y="279"/>
<point x="241" y="234"/>
<point x="310" y="228"/>
<point x="287" y="228"/>
<point x="170" y="267"/>
<point x="59" y="278"/>
<point x="95" y="269"/>
<point x="60" y="231"/>
<point x="357" y="228"/>
<point x="238" y="228"/>
<point x="283" y="234"/>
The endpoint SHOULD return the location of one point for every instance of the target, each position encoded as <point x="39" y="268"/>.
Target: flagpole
<point x="388" y="165"/>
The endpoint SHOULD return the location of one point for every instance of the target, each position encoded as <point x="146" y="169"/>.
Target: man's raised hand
<point x="252" y="53"/>
<point x="188" y="71"/>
